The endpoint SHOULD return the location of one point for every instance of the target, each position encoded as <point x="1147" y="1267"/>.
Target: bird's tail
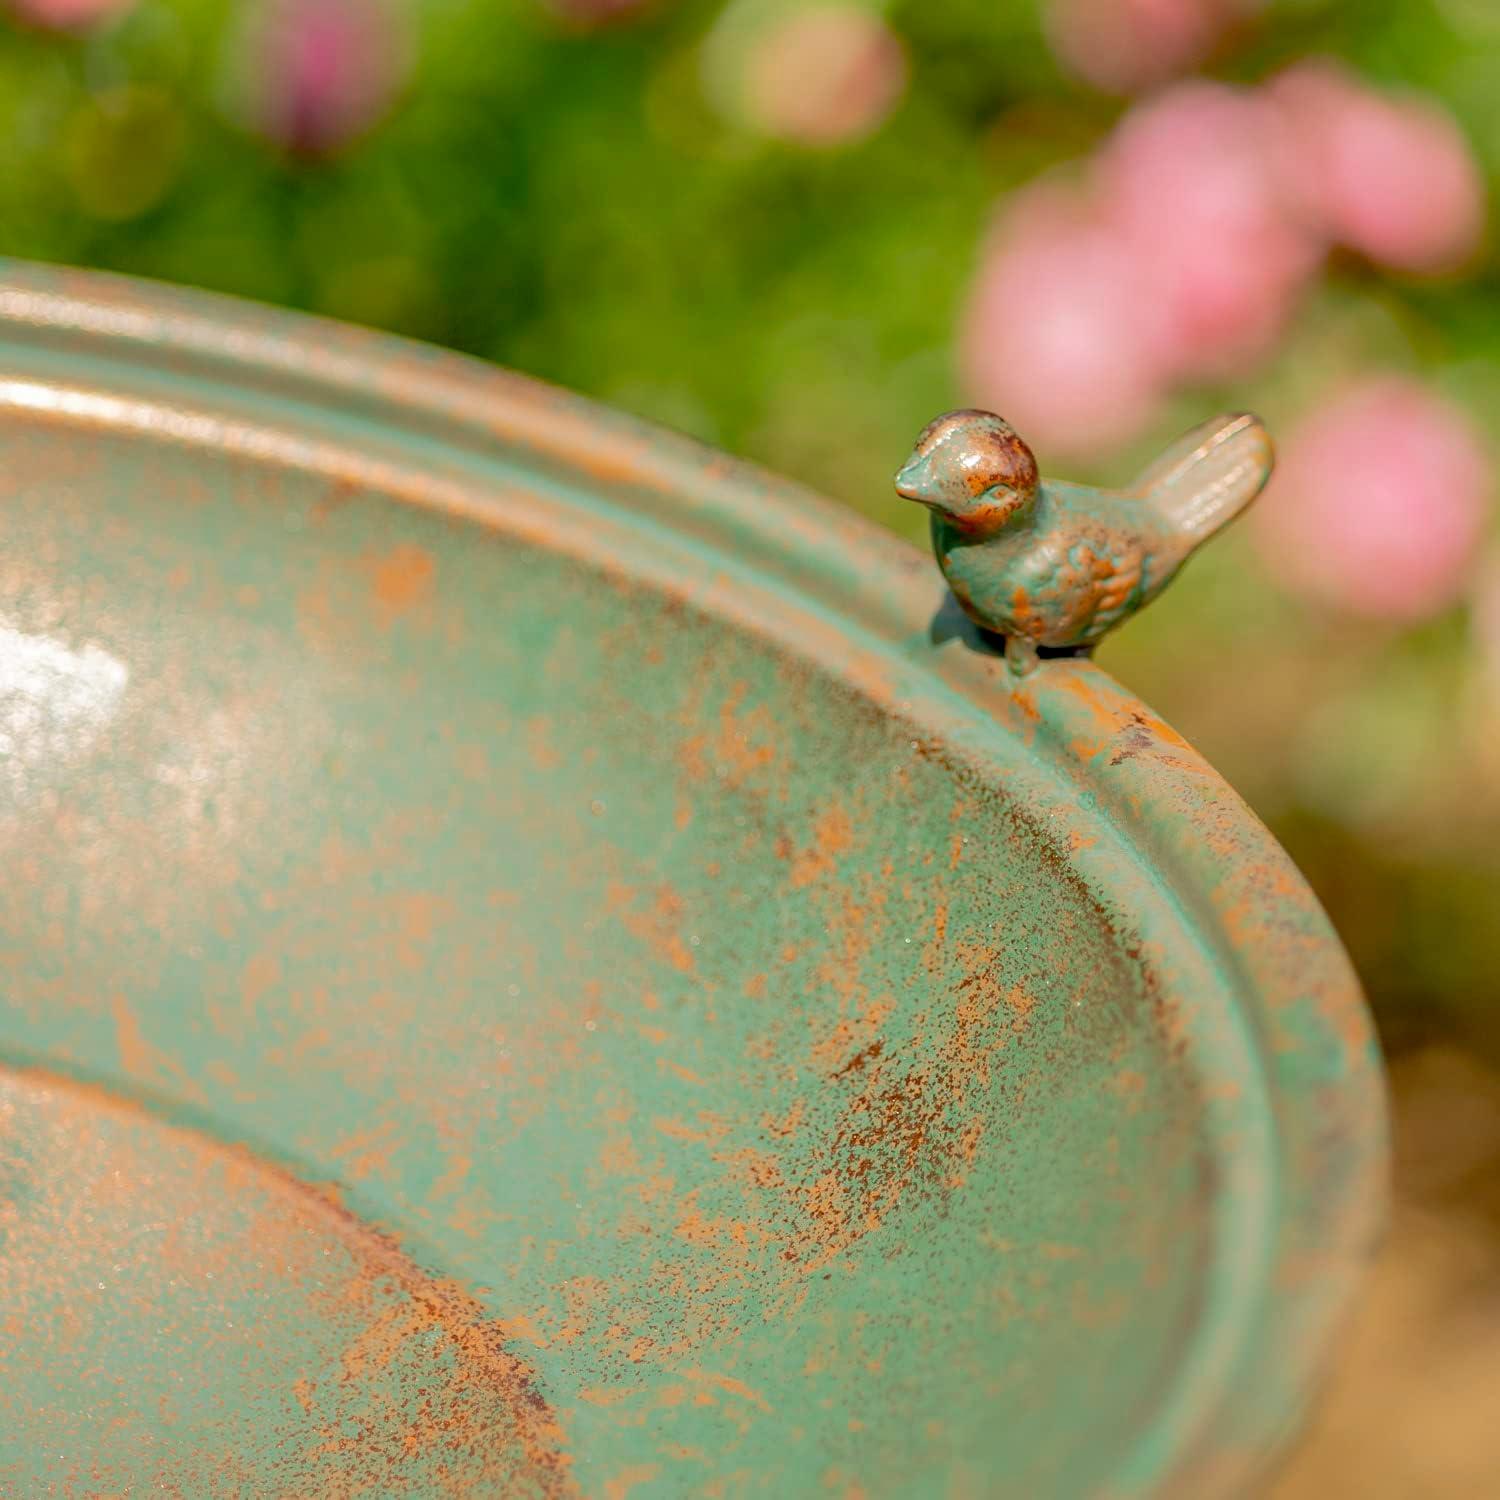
<point x="1206" y="478"/>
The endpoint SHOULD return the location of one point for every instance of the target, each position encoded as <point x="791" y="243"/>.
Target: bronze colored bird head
<point x="971" y="467"/>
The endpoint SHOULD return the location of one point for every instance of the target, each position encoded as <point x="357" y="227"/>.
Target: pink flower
<point x="824" y="76"/>
<point x="1180" y="257"/>
<point x="1391" y="178"/>
<point x="1125" y="45"/>
<point x="68" y="15"/>
<point x="1378" y="503"/>
<point x="1202" y="220"/>
<point x="1190" y="177"/>
<point x="316" y="73"/>
<point x="1056" y="336"/>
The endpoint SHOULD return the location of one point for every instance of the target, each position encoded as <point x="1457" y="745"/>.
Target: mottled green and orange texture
<point x="624" y="1006"/>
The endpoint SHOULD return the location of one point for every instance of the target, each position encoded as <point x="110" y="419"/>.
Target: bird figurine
<point x="1052" y="564"/>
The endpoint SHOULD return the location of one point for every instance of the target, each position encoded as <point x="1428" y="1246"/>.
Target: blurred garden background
<point x="799" y="229"/>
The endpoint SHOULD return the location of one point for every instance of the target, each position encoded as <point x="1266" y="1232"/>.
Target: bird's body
<point x="1060" y="565"/>
<point x="1064" y="580"/>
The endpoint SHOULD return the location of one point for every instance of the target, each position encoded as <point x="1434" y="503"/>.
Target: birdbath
<point x="546" y="961"/>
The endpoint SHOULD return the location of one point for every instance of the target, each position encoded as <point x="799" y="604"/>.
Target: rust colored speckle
<point x="620" y="1486"/>
<point x="658" y="926"/>
<point x="833" y="836"/>
<point x="261" y="972"/>
<point x="403" y="578"/>
<point x="135" y="1056"/>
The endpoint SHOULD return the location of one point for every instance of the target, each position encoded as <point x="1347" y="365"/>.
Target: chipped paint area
<point x="824" y="1069"/>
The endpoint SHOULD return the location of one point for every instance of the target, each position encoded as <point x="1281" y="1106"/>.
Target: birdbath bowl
<point x="543" y="961"/>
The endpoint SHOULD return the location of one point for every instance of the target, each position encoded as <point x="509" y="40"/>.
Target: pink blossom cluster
<point x="1125" y="45"/>
<point x="1378" y="504"/>
<point x="312" y="75"/>
<point x="1182" y="252"/>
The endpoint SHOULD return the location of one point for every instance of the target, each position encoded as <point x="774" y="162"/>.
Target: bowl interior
<point x="648" y="978"/>
<point x="494" y="1008"/>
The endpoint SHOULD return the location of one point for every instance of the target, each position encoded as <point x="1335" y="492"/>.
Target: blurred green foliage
<point x="566" y="200"/>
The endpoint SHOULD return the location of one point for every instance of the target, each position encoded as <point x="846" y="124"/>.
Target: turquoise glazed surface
<point x="544" y="961"/>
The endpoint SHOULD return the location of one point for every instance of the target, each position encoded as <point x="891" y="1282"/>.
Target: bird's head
<point x="971" y="467"/>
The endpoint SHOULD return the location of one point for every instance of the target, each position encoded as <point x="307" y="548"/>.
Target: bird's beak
<point x="913" y="483"/>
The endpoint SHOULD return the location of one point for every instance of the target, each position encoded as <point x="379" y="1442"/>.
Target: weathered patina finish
<point x="1060" y="564"/>
<point x="534" y="968"/>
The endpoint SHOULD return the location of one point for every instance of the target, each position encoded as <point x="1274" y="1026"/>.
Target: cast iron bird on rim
<point x="1057" y="564"/>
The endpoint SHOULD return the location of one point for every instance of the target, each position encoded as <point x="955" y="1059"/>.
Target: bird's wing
<point x="1205" y="479"/>
<point x="1075" y="589"/>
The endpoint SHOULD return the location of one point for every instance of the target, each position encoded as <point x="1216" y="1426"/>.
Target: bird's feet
<point x="1020" y="655"/>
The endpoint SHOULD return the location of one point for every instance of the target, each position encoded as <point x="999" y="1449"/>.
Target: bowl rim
<point x="878" y="605"/>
